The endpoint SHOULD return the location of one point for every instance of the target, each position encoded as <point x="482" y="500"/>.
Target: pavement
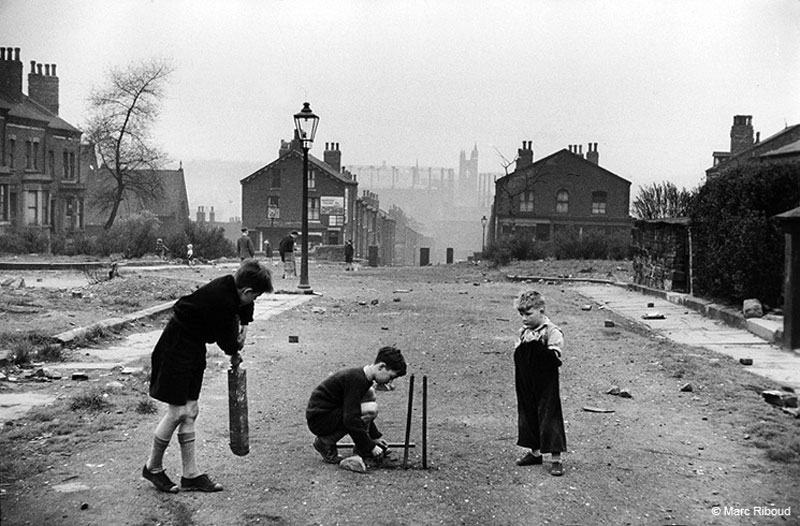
<point x="126" y="350"/>
<point x="690" y="321"/>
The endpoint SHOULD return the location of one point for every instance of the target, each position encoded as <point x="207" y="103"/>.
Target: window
<point x="313" y="208"/>
<point x="4" y="204"/>
<point x="12" y="145"/>
<point x="562" y="202"/>
<point x="273" y="207"/>
<point x="526" y="201"/>
<point x="598" y="202"/>
<point x="73" y="214"/>
<point x="32" y="207"/>
<point x="275" y="181"/>
<point x="335" y="220"/>
<point x="28" y="155"/>
<point x="36" y="155"/>
<point x="312" y="179"/>
<point x="71" y="165"/>
<point x="65" y="165"/>
<point x="51" y="162"/>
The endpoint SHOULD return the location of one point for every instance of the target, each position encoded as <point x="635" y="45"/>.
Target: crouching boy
<point x="344" y="404"/>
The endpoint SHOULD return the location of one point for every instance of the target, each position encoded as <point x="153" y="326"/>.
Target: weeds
<point x="91" y="400"/>
<point x="27" y="347"/>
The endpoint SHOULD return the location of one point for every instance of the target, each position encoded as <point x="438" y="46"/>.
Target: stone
<point x="354" y="463"/>
<point x="610" y="323"/>
<point x="131" y="370"/>
<point x="614" y="390"/>
<point x="746" y="361"/>
<point x="687" y="388"/>
<point x="76" y="294"/>
<point x="651" y="305"/>
<point x="80" y="375"/>
<point x="780" y="398"/>
<point x="625" y="393"/>
<point x="751" y="308"/>
<point x="586" y="307"/>
<point x="294" y="339"/>
<point x="653" y="315"/>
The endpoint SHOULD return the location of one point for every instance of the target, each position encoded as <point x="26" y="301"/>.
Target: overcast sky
<point x="656" y="84"/>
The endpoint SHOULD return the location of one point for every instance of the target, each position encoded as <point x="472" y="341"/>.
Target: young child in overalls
<point x="537" y="359"/>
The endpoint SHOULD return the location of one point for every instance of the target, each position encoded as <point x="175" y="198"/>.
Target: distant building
<point x="781" y="148"/>
<point x="232" y="227"/>
<point x="448" y="203"/>
<point x="41" y="184"/>
<point x="171" y="206"/>
<point x="563" y="190"/>
<point x="272" y="195"/>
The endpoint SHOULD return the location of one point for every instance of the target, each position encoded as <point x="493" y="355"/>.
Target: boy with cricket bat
<point x="217" y="312"/>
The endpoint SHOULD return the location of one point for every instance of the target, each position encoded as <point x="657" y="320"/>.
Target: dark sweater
<point x="213" y="313"/>
<point x="343" y="391"/>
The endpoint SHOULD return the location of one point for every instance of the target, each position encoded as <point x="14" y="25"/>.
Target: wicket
<point x="407" y="444"/>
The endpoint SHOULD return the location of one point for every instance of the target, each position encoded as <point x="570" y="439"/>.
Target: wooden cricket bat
<point x="237" y="408"/>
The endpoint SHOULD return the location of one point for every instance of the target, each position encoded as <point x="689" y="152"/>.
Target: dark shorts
<point x="177" y="367"/>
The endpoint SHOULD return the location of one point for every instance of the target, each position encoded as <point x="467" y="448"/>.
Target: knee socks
<point x="186" y="441"/>
<point x="157" y="454"/>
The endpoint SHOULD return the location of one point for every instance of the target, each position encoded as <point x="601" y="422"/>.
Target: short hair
<point x="254" y="275"/>
<point x="393" y="359"/>
<point x="529" y="299"/>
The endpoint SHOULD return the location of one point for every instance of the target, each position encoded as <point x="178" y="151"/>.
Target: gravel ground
<point x="661" y="457"/>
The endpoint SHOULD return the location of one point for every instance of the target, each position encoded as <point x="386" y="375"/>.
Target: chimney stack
<point x="741" y="133"/>
<point x="10" y="74"/>
<point x="201" y="214"/>
<point x="525" y="155"/>
<point x="591" y="153"/>
<point x="43" y="88"/>
<point x="212" y="215"/>
<point x="332" y="156"/>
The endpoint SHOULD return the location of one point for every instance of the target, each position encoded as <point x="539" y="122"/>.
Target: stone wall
<point x="661" y="254"/>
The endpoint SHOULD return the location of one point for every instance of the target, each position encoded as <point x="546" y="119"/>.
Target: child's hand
<point x="236" y="359"/>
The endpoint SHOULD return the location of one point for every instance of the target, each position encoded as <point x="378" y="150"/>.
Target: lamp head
<point x="305" y="122"/>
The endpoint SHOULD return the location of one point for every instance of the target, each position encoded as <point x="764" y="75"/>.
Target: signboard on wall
<point x="331" y="205"/>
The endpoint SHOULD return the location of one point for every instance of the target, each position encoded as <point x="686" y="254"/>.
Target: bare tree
<point x="661" y="200"/>
<point x="121" y="116"/>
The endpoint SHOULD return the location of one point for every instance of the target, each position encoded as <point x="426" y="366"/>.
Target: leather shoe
<point x="529" y="459"/>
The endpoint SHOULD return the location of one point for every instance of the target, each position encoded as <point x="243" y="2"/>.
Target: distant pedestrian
<point x="161" y="248"/>
<point x="218" y="312"/>
<point x="268" y="250"/>
<point x="244" y="246"/>
<point x="344" y="404"/>
<point x="348" y="255"/>
<point x="286" y="251"/>
<point x="190" y="255"/>
<point x="537" y="359"/>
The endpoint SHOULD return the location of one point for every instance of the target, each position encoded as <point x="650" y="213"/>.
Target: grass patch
<point x="93" y="400"/>
<point x="31" y="346"/>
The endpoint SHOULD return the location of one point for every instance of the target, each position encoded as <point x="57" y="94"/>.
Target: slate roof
<point x="30" y="110"/>
<point x="173" y="202"/>
<point x="563" y="151"/>
<point x="313" y="161"/>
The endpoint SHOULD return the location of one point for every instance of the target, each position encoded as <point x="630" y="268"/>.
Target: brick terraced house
<point x="41" y="184"/>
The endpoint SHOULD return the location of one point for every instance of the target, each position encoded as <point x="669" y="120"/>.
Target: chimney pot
<point x="47" y="69"/>
<point x="33" y="66"/>
<point x="39" y="69"/>
<point x="54" y="70"/>
<point x="16" y="54"/>
<point x="2" y="53"/>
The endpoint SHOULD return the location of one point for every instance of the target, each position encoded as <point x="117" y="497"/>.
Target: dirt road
<point x="662" y="457"/>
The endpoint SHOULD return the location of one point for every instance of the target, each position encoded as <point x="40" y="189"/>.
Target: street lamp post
<point x="305" y="123"/>
<point x="483" y="238"/>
